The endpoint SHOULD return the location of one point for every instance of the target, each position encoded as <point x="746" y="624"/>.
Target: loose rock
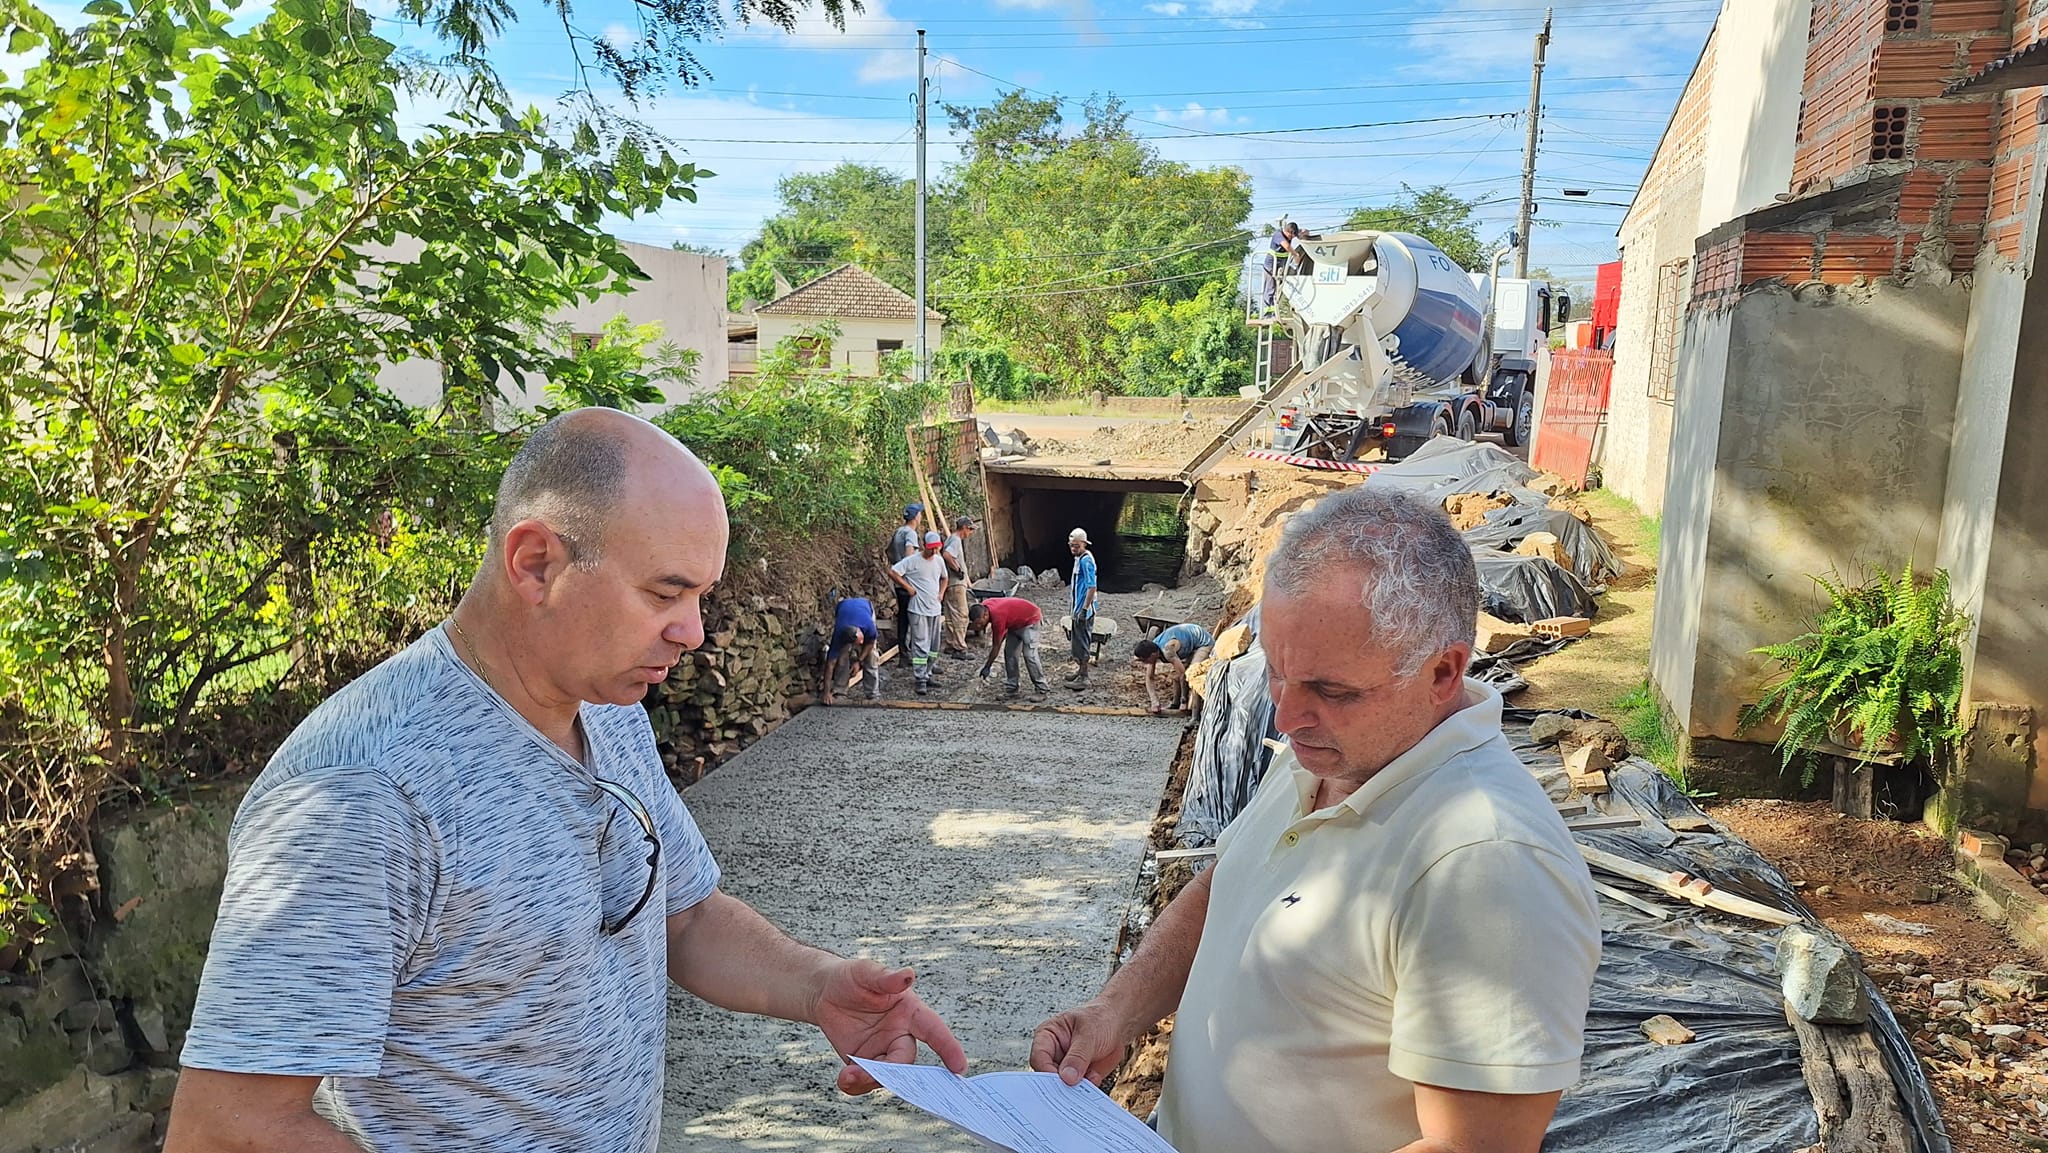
<point x="1546" y="729"/>
<point x="1819" y="978"/>
<point x="1664" y="1029"/>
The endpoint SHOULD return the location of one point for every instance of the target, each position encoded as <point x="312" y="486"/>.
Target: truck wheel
<point x="1523" y="427"/>
<point x="1441" y="426"/>
<point x="1468" y="424"/>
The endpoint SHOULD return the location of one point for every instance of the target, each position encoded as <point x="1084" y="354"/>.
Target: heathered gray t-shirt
<point x="412" y="907"/>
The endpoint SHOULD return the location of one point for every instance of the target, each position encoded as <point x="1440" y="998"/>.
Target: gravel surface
<point x="995" y="852"/>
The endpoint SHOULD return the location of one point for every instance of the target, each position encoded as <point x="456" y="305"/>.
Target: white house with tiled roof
<point x="874" y="317"/>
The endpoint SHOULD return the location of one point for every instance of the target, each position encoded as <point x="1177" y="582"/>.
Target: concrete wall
<point x="1636" y="452"/>
<point x="1831" y="454"/>
<point x="1728" y="150"/>
<point x="1688" y="499"/>
<point x="1998" y="293"/>
<point x="855" y="347"/>
<point x="1759" y="65"/>
<point x="684" y="293"/>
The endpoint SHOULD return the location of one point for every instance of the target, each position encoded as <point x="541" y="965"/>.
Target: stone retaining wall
<point x="89" y="1037"/>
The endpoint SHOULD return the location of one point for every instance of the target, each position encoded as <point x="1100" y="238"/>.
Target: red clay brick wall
<point x="1874" y="74"/>
<point x="2011" y="175"/>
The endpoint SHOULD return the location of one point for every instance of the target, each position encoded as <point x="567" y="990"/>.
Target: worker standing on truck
<point x="1178" y="647"/>
<point x="957" y="580"/>
<point x="1083" y="584"/>
<point x="1395" y="947"/>
<point x="901" y="545"/>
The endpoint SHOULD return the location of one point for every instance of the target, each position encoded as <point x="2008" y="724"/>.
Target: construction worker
<point x="957" y="580"/>
<point x="901" y="545"/>
<point x="1178" y="647"/>
<point x="1395" y="947"/>
<point x="921" y="580"/>
<point x="1016" y="632"/>
<point x="853" y="643"/>
<point x="1083" y="586"/>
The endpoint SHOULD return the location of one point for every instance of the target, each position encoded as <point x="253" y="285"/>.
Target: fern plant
<point x="1882" y="667"/>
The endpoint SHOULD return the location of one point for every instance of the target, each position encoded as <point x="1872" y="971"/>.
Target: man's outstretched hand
<point x="868" y="1011"/>
<point x="1080" y="1043"/>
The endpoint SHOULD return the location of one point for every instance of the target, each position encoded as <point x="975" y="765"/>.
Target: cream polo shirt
<point x="1437" y="925"/>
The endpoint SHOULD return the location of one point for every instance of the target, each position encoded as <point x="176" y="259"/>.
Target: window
<point x="813" y="352"/>
<point x="888" y="346"/>
<point x="1665" y="330"/>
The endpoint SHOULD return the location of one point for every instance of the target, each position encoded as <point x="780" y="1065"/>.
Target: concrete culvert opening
<point x="1138" y="537"/>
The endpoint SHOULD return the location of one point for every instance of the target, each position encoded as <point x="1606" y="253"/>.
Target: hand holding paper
<point x="1021" y="1112"/>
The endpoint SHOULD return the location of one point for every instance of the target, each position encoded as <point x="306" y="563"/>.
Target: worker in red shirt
<point x="1016" y="630"/>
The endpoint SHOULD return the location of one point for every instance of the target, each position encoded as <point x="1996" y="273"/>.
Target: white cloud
<point x="621" y="37"/>
<point x="1174" y="9"/>
<point x="1230" y="7"/>
<point x="1192" y="115"/>
<point x="1235" y="22"/>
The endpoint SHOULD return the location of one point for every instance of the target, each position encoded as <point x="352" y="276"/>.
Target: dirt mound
<point x="1171" y="443"/>
<point x="1236" y="519"/>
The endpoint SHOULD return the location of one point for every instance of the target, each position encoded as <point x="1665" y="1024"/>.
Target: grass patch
<point x="1643" y="533"/>
<point x="1650" y="736"/>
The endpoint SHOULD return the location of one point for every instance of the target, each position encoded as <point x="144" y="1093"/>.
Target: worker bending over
<point x="1177" y="647"/>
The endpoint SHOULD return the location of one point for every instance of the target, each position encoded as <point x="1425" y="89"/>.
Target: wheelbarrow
<point x="1098" y="637"/>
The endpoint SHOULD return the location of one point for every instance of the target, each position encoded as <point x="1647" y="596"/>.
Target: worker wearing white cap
<point x="922" y="576"/>
<point x="1083" y="584"/>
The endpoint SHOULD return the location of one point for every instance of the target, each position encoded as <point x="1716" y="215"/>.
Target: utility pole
<point x="1522" y="222"/>
<point x="919" y="368"/>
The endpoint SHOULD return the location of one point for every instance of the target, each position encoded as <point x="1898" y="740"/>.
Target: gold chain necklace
<point x="474" y="657"/>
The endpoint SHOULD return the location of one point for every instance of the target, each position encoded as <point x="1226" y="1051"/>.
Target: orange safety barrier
<point x="1574" y="405"/>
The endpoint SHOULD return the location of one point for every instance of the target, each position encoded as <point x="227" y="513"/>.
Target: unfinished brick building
<point x="1847" y="353"/>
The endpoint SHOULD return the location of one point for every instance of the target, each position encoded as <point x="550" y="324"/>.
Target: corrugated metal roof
<point x="2027" y="68"/>
<point x="850" y="291"/>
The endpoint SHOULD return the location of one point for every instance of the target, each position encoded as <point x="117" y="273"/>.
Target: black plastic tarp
<point x="1446" y="466"/>
<point x="1230" y="752"/>
<point x="1505" y="528"/>
<point x="1529" y="588"/>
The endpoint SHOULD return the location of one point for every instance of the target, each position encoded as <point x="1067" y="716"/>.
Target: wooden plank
<point x="1571" y="808"/>
<point x="1853" y="1094"/>
<point x="1697" y="892"/>
<point x="1631" y="900"/>
<point x="860" y="674"/>
<point x="1185" y="854"/>
<point x="1592" y="824"/>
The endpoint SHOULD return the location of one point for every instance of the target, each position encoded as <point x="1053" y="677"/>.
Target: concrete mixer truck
<point x="1394" y="343"/>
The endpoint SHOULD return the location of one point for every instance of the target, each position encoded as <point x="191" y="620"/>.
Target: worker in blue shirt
<point x="1083" y="584"/>
<point x="853" y="641"/>
<point x="1180" y="646"/>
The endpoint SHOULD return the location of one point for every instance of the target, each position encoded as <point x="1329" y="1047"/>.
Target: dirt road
<point x="995" y="852"/>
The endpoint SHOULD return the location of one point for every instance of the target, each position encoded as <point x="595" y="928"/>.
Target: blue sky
<point x="1187" y="69"/>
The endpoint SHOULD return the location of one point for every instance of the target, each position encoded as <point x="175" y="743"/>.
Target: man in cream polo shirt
<point x="1395" y="948"/>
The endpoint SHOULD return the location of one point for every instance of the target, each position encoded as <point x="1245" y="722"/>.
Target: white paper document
<point x="1022" y="1112"/>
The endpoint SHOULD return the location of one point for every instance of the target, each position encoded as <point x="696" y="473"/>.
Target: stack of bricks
<point x="2012" y="174"/>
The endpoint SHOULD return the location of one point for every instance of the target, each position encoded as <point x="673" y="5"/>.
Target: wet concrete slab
<point x="995" y="852"/>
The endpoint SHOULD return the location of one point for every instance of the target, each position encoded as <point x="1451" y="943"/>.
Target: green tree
<point x="215" y="239"/>
<point x="796" y="249"/>
<point x="1194" y="347"/>
<point x="1436" y="215"/>
<point x="625" y="366"/>
<point x="1053" y="233"/>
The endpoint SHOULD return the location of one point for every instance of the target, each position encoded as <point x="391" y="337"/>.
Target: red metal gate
<point x="1574" y="404"/>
